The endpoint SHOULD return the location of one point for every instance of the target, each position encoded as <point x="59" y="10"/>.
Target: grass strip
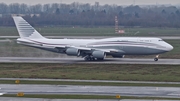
<point x="119" y="72"/>
<point x="84" y="97"/>
<point x="88" y="83"/>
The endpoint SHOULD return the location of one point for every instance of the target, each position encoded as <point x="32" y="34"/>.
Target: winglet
<point x="25" y="29"/>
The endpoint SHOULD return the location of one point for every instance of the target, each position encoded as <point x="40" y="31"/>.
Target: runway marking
<point x="92" y="90"/>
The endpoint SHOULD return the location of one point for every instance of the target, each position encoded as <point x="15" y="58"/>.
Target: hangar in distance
<point x="91" y="49"/>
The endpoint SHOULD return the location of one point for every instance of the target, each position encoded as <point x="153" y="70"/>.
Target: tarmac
<point x="81" y="60"/>
<point x="40" y="99"/>
<point x="136" y="91"/>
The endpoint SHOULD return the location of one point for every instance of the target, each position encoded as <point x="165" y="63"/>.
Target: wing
<point x="86" y="49"/>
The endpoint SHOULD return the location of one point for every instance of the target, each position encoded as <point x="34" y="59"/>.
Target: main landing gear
<point x="156" y="58"/>
<point x="91" y="58"/>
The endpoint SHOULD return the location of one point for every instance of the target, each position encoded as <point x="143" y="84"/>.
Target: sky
<point x="102" y="2"/>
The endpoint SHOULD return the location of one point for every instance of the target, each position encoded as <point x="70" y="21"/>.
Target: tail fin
<point x="25" y="29"/>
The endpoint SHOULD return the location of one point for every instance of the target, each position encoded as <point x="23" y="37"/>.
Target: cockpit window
<point x="160" y="40"/>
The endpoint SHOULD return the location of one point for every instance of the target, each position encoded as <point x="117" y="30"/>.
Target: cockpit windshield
<point x="160" y="40"/>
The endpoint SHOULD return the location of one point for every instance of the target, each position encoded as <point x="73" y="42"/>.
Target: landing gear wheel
<point x="89" y="58"/>
<point x="86" y="58"/>
<point x="155" y="59"/>
<point x="100" y="59"/>
<point x="93" y="59"/>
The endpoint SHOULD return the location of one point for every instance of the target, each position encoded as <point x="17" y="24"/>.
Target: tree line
<point x="78" y="14"/>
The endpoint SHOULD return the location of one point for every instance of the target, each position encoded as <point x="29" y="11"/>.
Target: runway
<point x="169" y="92"/>
<point x="91" y="81"/>
<point x="7" y="40"/>
<point x="74" y="60"/>
<point x="40" y="99"/>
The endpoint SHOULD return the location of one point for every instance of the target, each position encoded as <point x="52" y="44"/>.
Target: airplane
<point x="91" y="49"/>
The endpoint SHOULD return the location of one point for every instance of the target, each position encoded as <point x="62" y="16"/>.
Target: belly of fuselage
<point x="141" y="51"/>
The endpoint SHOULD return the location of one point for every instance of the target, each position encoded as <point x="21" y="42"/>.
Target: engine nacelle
<point x="118" y="56"/>
<point x="73" y="52"/>
<point x="99" y="54"/>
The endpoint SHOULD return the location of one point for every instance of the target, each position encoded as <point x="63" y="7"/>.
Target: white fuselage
<point x="125" y="45"/>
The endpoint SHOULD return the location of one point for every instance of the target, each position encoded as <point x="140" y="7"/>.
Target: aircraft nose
<point x="170" y="47"/>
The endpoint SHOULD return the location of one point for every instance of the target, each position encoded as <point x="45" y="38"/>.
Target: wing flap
<point x="108" y="50"/>
<point x="54" y="46"/>
<point x="82" y="48"/>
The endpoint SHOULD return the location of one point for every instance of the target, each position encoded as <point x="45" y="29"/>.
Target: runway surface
<point x="91" y="37"/>
<point x="7" y="40"/>
<point x="81" y="60"/>
<point x="170" y="92"/>
<point x="40" y="99"/>
<point x="102" y="81"/>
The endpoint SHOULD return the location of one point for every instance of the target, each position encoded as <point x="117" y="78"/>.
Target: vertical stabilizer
<point x="25" y="29"/>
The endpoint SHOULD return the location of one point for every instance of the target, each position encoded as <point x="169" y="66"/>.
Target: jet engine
<point x="99" y="54"/>
<point x="73" y="52"/>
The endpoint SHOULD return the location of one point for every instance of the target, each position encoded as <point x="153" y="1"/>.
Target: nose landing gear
<point x="156" y="58"/>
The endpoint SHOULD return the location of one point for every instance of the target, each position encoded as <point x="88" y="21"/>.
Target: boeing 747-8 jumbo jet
<point x="91" y="49"/>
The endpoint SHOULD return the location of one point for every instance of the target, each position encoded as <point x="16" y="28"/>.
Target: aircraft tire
<point x="100" y="59"/>
<point x="155" y="59"/>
